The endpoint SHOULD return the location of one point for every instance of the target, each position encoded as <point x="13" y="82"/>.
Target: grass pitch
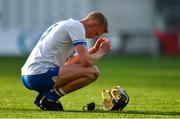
<point x="152" y="84"/>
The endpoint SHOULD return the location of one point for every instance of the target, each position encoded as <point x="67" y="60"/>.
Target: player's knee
<point x="94" y="73"/>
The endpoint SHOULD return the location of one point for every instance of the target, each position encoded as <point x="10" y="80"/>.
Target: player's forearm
<point x="87" y="59"/>
<point x="73" y="60"/>
<point x="96" y="56"/>
<point x="93" y="58"/>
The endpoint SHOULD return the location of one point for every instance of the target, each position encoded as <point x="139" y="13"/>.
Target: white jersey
<point x="54" y="47"/>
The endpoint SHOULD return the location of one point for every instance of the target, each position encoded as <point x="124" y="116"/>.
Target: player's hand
<point x="98" y="43"/>
<point x="105" y="46"/>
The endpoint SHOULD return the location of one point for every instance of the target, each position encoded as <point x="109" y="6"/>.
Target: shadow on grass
<point x="152" y="113"/>
<point x="96" y="111"/>
<point x="130" y="112"/>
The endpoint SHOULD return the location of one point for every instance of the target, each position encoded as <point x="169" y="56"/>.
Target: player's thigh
<point x="77" y="71"/>
<point x="69" y="73"/>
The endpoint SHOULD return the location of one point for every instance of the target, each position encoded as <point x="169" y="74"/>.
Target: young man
<point x="53" y="70"/>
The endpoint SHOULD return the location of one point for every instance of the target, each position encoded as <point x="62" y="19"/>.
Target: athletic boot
<point x="37" y="100"/>
<point x="48" y="104"/>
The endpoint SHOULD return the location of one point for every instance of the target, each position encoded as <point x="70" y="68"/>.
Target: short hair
<point x="100" y="18"/>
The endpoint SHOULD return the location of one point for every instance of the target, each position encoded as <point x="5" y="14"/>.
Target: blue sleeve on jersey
<point x="79" y="42"/>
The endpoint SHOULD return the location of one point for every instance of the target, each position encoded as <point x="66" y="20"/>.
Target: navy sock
<point x="54" y="95"/>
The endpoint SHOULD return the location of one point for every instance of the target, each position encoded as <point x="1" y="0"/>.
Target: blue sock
<point x="54" y="95"/>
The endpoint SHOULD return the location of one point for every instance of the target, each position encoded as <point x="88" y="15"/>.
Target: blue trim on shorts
<point x="41" y="82"/>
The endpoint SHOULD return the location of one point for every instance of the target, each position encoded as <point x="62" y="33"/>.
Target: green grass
<point x="152" y="84"/>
